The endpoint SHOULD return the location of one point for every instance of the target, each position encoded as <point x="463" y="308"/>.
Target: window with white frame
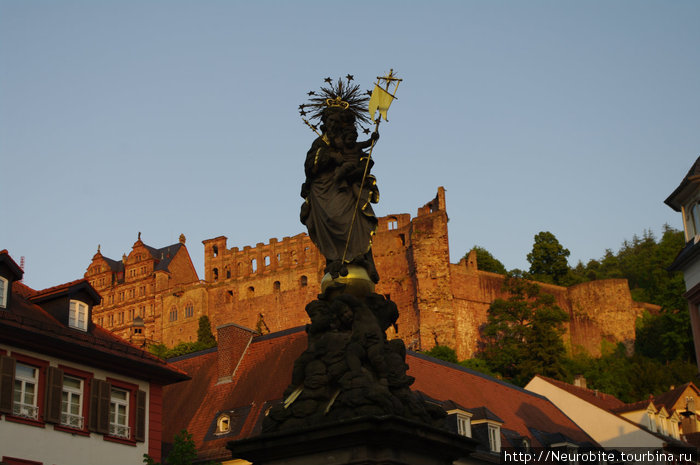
<point x="495" y="438"/>
<point x="119" y="413"/>
<point x="25" y="392"/>
<point x="651" y="421"/>
<point x="72" y="402"/>
<point x="77" y="316"/>
<point x="464" y="425"/>
<point x="4" y="284"/>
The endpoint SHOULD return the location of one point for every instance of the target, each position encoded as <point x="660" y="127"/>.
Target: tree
<point x="548" y="262"/>
<point x="487" y="262"/>
<point x="184" y="451"/>
<point x="205" y="340"/>
<point x="204" y="334"/>
<point x="445" y="353"/>
<point x="523" y="334"/>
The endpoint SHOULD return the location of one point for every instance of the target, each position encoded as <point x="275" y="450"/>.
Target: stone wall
<point x="267" y="287"/>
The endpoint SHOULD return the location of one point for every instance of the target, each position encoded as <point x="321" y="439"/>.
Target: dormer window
<point x="223" y="424"/>
<point x="464" y="425"/>
<point x="77" y="316"/>
<point x="494" y="438"/>
<point x="4" y="286"/>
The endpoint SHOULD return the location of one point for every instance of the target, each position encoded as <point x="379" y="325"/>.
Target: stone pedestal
<point x="386" y="440"/>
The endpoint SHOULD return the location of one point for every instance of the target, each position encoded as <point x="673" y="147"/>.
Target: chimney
<point x="580" y="381"/>
<point x="233" y="340"/>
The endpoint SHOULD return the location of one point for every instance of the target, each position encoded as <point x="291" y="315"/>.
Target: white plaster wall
<point x="691" y="275"/>
<point x="53" y="447"/>
<point x="605" y="428"/>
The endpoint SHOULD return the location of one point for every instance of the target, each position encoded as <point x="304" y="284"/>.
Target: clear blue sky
<point x="171" y="117"/>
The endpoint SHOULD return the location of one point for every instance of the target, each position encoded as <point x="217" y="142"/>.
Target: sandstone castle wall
<point x="266" y="288"/>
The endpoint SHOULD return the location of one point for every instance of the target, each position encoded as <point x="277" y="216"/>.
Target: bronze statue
<point x="339" y="188"/>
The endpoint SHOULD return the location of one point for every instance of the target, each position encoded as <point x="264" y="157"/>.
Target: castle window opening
<point x="251" y="291"/>
<point x="173" y="314"/>
<point x="402" y="238"/>
<point x="131" y="314"/>
<point x="229" y="296"/>
<point x="254" y="265"/>
<point x="215" y="250"/>
<point x="267" y="260"/>
<point x="303" y="281"/>
<point x="276" y="286"/>
<point x="189" y="310"/>
<point x="228" y="272"/>
<point x="279" y="258"/>
<point x="392" y="224"/>
<point x="215" y="272"/>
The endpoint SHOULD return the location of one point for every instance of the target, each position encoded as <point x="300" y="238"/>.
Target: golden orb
<point x="357" y="282"/>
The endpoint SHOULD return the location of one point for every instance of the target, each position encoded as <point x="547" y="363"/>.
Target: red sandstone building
<point x="70" y="391"/>
<point x="267" y="286"/>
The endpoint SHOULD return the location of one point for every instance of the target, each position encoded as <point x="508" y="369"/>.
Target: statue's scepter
<point x="380" y="100"/>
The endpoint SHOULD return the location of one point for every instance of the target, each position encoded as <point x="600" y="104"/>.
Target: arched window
<point x="223" y="424"/>
<point x="189" y="310"/>
<point x="254" y="265"/>
<point x="215" y="272"/>
<point x="173" y="314"/>
<point x="303" y="281"/>
<point x="251" y="291"/>
<point x="228" y="273"/>
<point x="215" y="250"/>
<point x="276" y="286"/>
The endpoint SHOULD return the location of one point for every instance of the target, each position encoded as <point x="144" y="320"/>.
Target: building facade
<point x="685" y="199"/>
<point x="70" y="391"/>
<point x="266" y="287"/>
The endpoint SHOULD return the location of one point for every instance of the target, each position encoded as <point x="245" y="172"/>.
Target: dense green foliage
<point x="445" y="353"/>
<point x="184" y="452"/>
<point x="487" y="262"/>
<point x="548" y="259"/>
<point x="204" y="334"/>
<point x="522" y="336"/>
<point x="205" y="340"/>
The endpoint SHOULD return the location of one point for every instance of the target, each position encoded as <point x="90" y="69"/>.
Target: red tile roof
<point x="265" y="372"/>
<point x="520" y="410"/>
<point x="26" y="324"/>
<point x="262" y="376"/>
<point x="595" y="397"/>
<point x="669" y="398"/>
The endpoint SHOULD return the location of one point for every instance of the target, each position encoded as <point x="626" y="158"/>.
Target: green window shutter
<point x="7" y="383"/>
<point x="140" y="425"/>
<point x="54" y="392"/>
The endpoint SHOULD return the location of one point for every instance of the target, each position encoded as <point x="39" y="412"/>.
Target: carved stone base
<point x="386" y="440"/>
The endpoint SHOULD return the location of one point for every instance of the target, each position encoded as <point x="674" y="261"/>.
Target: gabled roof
<point x="66" y="289"/>
<point x="669" y="398"/>
<point x="26" y="325"/>
<point x="265" y="372"/>
<point x="164" y="255"/>
<point x="595" y="397"/>
<point x="677" y="196"/>
<point x="645" y="404"/>
<point x="11" y="264"/>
